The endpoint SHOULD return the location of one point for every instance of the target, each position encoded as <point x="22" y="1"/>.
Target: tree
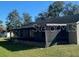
<point x="55" y="9"/>
<point x="13" y="20"/>
<point x="41" y="16"/>
<point x="26" y="18"/>
<point x="1" y="22"/>
<point x="71" y="9"/>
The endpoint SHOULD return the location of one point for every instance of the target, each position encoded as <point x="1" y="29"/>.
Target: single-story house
<point x="59" y="30"/>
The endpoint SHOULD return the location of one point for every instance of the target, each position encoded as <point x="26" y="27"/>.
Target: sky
<point x="31" y="7"/>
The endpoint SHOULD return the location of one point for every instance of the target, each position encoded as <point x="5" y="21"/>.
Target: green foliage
<point x="55" y="9"/>
<point x="71" y="9"/>
<point x="13" y="20"/>
<point x="41" y="16"/>
<point x="58" y="8"/>
<point x="26" y="18"/>
<point x="1" y="24"/>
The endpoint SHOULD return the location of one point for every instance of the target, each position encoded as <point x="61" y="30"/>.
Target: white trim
<point x="56" y="24"/>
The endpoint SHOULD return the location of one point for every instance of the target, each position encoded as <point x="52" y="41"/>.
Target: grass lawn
<point x="8" y="49"/>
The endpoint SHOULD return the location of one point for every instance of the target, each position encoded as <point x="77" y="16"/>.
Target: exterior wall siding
<point x="29" y="35"/>
<point x="72" y="33"/>
<point x="73" y="37"/>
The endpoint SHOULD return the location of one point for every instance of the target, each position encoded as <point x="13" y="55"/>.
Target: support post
<point x="46" y="39"/>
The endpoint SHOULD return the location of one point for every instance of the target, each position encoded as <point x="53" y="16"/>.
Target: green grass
<point x="9" y="49"/>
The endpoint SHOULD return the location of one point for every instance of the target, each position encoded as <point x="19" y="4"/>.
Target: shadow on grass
<point x="16" y="46"/>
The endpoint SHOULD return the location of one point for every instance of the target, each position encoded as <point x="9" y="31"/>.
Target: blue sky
<point x="31" y="7"/>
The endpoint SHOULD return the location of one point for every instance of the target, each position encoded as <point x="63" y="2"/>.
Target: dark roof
<point x="31" y="25"/>
<point x="26" y="26"/>
<point x="58" y="20"/>
<point x="64" y="19"/>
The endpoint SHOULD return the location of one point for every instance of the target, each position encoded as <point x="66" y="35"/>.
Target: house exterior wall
<point x="28" y="34"/>
<point x="72" y="37"/>
<point x="72" y="33"/>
